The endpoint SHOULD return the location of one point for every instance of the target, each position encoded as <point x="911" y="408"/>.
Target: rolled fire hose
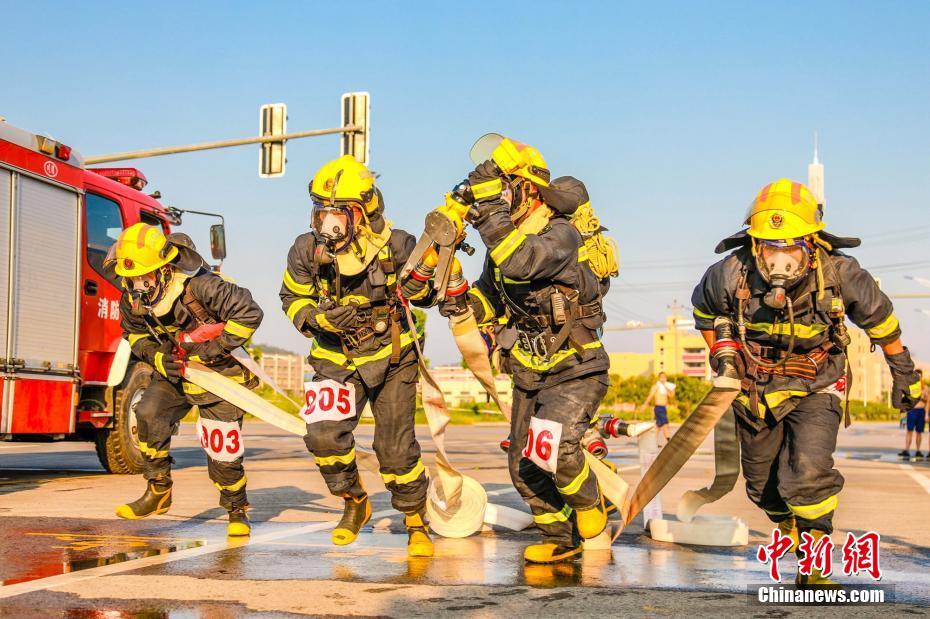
<point x="726" y="469"/>
<point x="457" y="504"/>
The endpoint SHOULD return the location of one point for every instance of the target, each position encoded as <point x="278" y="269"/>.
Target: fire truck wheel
<point x="118" y="447"/>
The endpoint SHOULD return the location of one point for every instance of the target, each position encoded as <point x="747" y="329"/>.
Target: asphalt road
<point x="64" y="553"/>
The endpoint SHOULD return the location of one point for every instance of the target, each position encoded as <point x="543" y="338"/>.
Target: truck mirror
<point x="218" y="241"/>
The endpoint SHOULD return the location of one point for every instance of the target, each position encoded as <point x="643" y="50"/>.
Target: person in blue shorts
<point x="660" y="394"/>
<point x="916" y="422"/>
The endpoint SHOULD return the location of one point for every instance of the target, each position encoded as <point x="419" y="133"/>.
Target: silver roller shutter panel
<point x="5" y="208"/>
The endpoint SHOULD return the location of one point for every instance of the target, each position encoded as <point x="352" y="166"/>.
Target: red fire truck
<point x="65" y="372"/>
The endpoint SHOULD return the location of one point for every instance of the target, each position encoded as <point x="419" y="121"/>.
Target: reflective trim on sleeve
<point x="699" y="314"/>
<point x="812" y="512"/>
<point x="916" y="390"/>
<point x="583" y="253"/>
<point x="135" y="337"/>
<point x="884" y="328"/>
<point x="295" y="287"/>
<point x="298" y="305"/>
<point x="159" y="363"/>
<point x="409" y="477"/>
<point x="485" y="303"/>
<point x="552" y="517"/>
<point x="575" y="485"/>
<point x="238" y="329"/>
<point x="348" y="458"/>
<point x="239" y="485"/>
<point x="506" y="247"/>
<point x="324" y="322"/>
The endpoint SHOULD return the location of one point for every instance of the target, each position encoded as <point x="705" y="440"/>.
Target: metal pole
<point x="173" y="150"/>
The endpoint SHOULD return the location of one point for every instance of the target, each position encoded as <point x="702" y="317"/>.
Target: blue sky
<point x="674" y="114"/>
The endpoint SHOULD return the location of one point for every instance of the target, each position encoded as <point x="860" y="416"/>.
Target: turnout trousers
<point x="572" y="404"/>
<point x="393" y="404"/>
<point x="788" y="466"/>
<point x="163" y="405"/>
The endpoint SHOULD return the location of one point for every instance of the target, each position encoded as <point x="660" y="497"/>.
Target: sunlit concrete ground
<point x="63" y="552"/>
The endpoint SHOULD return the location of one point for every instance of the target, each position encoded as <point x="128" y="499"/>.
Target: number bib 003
<point x="328" y="400"/>
<point x="222" y="440"/>
<point x="542" y="443"/>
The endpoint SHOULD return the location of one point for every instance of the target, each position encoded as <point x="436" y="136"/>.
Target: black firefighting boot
<point x="239" y="524"/>
<point x="419" y="543"/>
<point x="816" y="577"/>
<point x="355" y="514"/>
<point x="156" y="500"/>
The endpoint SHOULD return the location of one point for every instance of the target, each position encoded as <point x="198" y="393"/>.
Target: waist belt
<point x="546" y="334"/>
<point x="372" y="321"/>
<point x="805" y="366"/>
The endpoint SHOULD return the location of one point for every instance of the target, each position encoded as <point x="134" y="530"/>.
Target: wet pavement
<point x="63" y="553"/>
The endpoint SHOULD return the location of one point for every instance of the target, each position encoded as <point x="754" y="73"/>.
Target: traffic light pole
<point x="173" y="150"/>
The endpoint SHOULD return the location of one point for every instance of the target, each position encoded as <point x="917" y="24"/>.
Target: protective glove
<point x="335" y="320"/>
<point x="905" y="381"/>
<point x="206" y="352"/>
<point x="485" y="186"/>
<point x="168" y="363"/>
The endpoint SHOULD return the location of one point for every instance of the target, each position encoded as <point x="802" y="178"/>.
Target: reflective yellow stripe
<point x="507" y="280"/>
<point x="238" y="329"/>
<point x="704" y="315"/>
<point x="151" y="452"/>
<point x="553" y="517"/>
<point x="160" y="364"/>
<point x="239" y="485"/>
<point x="295" y="287"/>
<point x="774" y="399"/>
<point x="485" y="304"/>
<point x="506" y="247"/>
<point x="812" y="512"/>
<point x="298" y="305"/>
<point x="406" y="478"/>
<point x="884" y="328"/>
<point x="324" y="322"/>
<point x="575" y="484"/>
<point x="536" y="363"/>
<point x="801" y="331"/>
<point x="135" y="337"/>
<point x="332" y="460"/>
<point x="916" y="390"/>
<point x="583" y="253"/>
<point x="487" y="188"/>
<point x="358" y="299"/>
<point x="318" y="352"/>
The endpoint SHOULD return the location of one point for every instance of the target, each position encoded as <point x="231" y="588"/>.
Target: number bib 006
<point x="222" y="440"/>
<point x="328" y="400"/>
<point x="542" y="443"/>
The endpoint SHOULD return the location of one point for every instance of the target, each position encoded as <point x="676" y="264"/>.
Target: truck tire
<point x="118" y="447"/>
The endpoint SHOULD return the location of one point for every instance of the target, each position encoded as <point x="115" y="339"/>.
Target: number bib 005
<point x="328" y="400"/>
<point x="542" y="443"/>
<point x="222" y="440"/>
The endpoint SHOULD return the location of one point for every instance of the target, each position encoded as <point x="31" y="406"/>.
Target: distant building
<point x="630" y="364"/>
<point x="286" y="370"/>
<point x="680" y="350"/>
<point x="460" y="387"/>
<point x="871" y="378"/>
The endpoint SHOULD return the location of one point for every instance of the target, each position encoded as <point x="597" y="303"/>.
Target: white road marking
<point x="190" y="553"/>
<point x="920" y="479"/>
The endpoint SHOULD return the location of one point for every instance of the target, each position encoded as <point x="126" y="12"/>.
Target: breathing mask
<point x="148" y="289"/>
<point x="336" y="224"/>
<point x="782" y="264"/>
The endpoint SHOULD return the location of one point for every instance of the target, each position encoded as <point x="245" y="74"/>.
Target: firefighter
<point x="536" y="277"/>
<point x="340" y="289"/>
<point x="169" y="291"/>
<point x="787" y="290"/>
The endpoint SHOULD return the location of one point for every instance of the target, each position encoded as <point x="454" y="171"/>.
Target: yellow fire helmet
<point x="140" y="249"/>
<point x="512" y="157"/>
<point x="345" y="180"/>
<point x="784" y="210"/>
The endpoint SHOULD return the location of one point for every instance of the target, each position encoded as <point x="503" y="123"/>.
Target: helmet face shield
<point x="783" y="261"/>
<point x="482" y="149"/>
